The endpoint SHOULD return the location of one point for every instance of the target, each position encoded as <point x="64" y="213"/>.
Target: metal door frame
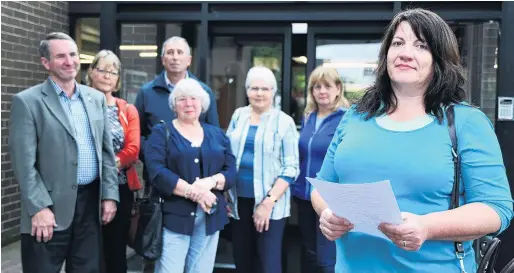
<point x="343" y="31"/>
<point x="253" y="32"/>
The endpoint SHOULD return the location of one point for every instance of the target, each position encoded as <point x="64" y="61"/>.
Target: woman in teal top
<point x="398" y="132"/>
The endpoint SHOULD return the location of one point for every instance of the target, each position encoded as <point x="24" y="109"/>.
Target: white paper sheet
<point x="366" y="206"/>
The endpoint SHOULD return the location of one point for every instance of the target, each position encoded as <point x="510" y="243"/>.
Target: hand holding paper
<point x="333" y="226"/>
<point x="366" y="206"/>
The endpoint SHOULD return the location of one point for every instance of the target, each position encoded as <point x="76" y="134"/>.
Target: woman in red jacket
<point x="104" y="75"/>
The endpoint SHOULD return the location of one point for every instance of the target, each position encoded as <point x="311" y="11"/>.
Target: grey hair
<point x="189" y="87"/>
<point x="173" y="40"/>
<point x="44" y="49"/>
<point x="261" y="73"/>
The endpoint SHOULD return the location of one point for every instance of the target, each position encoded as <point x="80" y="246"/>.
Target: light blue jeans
<point x="188" y="254"/>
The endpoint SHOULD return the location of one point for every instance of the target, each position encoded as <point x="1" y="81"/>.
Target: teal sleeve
<point x="482" y="169"/>
<point x="327" y="171"/>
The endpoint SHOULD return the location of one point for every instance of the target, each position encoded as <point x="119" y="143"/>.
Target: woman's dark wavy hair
<point x="447" y="80"/>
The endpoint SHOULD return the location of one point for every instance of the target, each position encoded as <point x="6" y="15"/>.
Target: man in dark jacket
<point x="152" y="100"/>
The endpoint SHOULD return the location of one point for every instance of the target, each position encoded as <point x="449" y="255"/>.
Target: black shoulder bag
<point x="146" y="229"/>
<point x="488" y="248"/>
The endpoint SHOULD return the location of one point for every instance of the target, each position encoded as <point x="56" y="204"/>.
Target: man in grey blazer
<point x="63" y="160"/>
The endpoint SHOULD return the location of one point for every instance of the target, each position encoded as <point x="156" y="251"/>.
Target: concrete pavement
<point x="11" y="258"/>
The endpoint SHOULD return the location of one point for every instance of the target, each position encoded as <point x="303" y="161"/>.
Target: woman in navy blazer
<point x="325" y="107"/>
<point x="190" y="164"/>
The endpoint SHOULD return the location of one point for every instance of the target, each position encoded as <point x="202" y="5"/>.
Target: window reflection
<point x="355" y="60"/>
<point x="87" y="37"/>
<point x="478" y="44"/>
<point x="230" y="59"/>
<point x="298" y="92"/>
<point x="138" y="53"/>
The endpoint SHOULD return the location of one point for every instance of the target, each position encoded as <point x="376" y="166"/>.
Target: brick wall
<point x="24" y="24"/>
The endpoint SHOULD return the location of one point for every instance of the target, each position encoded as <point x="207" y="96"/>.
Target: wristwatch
<point x="272" y="197"/>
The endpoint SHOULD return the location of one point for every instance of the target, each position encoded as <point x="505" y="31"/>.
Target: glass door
<point x="233" y="52"/>
<point x="351" y="50"/>
<point x="354" y="59"/>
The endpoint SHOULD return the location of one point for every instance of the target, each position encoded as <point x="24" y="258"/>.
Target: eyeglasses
<point x="184" y="99"/>
<point x="256" y="89"/>
<point x="104" y="72"/>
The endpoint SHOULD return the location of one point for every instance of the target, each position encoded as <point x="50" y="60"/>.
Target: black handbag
<point x="146" y="230"/>
<point x="488" y="248"/>
<point x="147" y="237"/>
<point x="509" y="268"/>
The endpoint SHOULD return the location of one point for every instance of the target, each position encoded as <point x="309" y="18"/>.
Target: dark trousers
<point x="253" y="251"/>
<point x="318" y="253"/>
<point x="78" y="245"/>
<point x="115" y="234"/>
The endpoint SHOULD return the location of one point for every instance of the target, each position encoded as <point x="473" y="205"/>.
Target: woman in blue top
<point x="325" y="107"/>
<point x="191" y="164"/>
<point x="398" y="132"/>
<point x="265" y="143"/>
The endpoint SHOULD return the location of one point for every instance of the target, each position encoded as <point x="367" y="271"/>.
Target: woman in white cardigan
<point x="265" y="143"/>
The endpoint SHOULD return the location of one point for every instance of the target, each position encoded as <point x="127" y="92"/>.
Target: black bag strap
<point x="450" y="116"/>
<point x="157" y="195"/>
<point x="488" y="258"/>
<point x="454" y="202"/>
<point x="167" y="132"/>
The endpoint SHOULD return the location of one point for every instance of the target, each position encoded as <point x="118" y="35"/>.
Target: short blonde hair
<point x="109" y="56"/>
<point x="327" y="75"/>
<point x="189" y="87"/>
<point x="261" y="73"/>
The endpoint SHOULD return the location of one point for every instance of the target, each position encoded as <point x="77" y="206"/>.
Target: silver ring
<point x="404" y="243"/>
